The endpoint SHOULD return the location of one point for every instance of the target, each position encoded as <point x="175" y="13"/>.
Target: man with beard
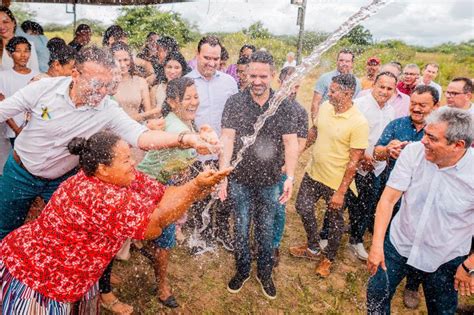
<point x="344" y="65"/>
<point x="342" y="137"/>
<point x="395" y="137"/>
<point x="254" y="183"/>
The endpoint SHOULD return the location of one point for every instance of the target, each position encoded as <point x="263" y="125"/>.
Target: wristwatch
<point x="469" y="271"/>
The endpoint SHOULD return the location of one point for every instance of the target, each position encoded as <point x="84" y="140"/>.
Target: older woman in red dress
<point x="52" y="265"/>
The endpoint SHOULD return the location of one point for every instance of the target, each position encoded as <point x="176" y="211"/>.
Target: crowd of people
<point x="125" y="149"/>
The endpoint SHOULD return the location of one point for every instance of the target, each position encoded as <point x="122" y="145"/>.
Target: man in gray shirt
<point x="61" y="109"/>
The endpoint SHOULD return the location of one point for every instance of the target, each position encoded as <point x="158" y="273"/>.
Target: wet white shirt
<point x="55" y="120"/>
<point x="378" y="119"/>
<point x="435" y="223"/>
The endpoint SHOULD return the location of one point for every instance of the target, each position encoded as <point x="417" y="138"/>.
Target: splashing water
<point x="376" y="308"/>
<point x="301" y="71"/>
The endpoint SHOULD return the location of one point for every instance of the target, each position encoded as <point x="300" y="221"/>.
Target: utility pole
<point x="300" y="21"/>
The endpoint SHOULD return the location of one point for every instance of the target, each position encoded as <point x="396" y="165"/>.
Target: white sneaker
<point x="359" y="251"/>
<point x="323" y="244"/>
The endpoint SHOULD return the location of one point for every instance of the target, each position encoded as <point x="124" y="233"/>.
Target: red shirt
<point x="63" y="253"/>
<point x="406" y="89"/>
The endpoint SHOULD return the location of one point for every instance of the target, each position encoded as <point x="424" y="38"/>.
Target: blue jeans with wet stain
<point x="438" y="286"/>
<point x="257" y="203"/>
<point x="18" y="190"/>
<point x="280" y="216"/>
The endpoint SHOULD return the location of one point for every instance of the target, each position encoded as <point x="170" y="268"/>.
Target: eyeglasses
<point x="410" y="74"/>
<point x="452" y="93"/>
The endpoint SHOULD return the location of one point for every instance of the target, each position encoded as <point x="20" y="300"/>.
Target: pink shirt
<point x="400" y="102"/>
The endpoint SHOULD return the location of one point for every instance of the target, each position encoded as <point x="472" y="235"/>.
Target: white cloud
<point x="423" y="22"/>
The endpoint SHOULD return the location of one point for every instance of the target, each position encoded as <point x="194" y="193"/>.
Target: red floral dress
<point x="63" y="253"/>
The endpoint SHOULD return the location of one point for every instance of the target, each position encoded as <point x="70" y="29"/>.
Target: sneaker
<point x="359" y="251"/>
<point x="226" y="242"/>
<point x="236" y="283"/>
<point x="268" y="288"/>
<point x="276" y="257"/>
<point x="323" y="269"/>
<point x="303" y="251"/>
<point x="411" y="299"/>
<point x="323" y="244"/>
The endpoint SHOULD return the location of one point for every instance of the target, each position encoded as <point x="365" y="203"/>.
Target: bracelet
<point x="181" y="137"/>
<point x="465" y="268"/>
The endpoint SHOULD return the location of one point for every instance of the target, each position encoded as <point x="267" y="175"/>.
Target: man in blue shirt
<point x="394" y="138"/>
<point x="344" y="64"/>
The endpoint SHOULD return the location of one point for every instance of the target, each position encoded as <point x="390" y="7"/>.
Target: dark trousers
<point x="104" y="281"/>
<point x="220" y="211"/>
<point x="257" y="203"/>
<point x="438" y="286"/>
<point x="309" y="193"/>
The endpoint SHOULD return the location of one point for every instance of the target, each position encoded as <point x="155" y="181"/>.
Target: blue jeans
<point x="258" y="203"/>
<point x="280" y="216"/>
<point x="18" y="189"/>
<point x="438" y="286"/>
<point x="167" y="239"/>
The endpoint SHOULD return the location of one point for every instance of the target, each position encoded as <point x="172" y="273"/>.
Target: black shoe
<point x="276" y="257"/>
<point x="226" y="242"/>
<point x="236" y="283"/>
<point x="268" y="287"/>
<point x="170" y="302"/>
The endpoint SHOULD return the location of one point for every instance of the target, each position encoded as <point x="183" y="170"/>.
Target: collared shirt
<point x="401" y="129"/>
<point x="337" y="135"/>
<point x="213" y="95"/>
<point x="436" y="218"/>
<point x="55" y="120"/>
<point x="436" y="86"/>
<point x="399" y="101"/>
<point x="64" y="252"/>
<point x="322" y="85"/>
<point x="406" y="89"/>
<point x="262" y="161"/>
<point x="378" y="118"/>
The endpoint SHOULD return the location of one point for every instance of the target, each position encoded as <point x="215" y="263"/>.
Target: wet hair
<point x="118" y="46"/>
<point x="97" y="55"/>
<point x="460" y="124"/>
<point x="98" y="149"/>
<point x="63" y="54"/>
<point x="168" y="43"/>
<point x="247" y="46"/>
<point x="55" y="43"/>
<point x="263" y="57"/>
<point x="386" y="73"/>
<point x="211" y="40"/>
<point x="422" y="89"/>
<point x="243" y="61"/>
<point x="224" y="54"/>
<point x="9" y="13"/>
<point x="346" y="51"/>
<point x="114" y="31"/>
<point x="15" y="41"/>
<point x="468" y="86"/>
<point x="286" y="72"/>
<point x="176" y="56"/>
<point x="82" y="28"/>
<point x="175" y="90"/>
<point x="346" y="81"/>
<point x="32" y="26"/>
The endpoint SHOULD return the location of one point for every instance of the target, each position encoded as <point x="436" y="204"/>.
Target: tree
<point x="359" y="36"/>
<point x="22" y="12"/>
<point x="139" y="21"/>
<point x="257" y="30"/>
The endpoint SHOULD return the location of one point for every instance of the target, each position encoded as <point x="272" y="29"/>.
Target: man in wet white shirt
<point x="432" y="231"/>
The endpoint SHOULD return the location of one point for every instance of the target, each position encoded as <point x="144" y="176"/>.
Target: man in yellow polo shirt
<point x="342" y="136"/>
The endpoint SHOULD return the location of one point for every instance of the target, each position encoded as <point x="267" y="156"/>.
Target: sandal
<point x="110" y="307"/>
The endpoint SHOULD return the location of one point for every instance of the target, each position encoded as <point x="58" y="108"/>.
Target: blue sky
<point x="422" y="22"/>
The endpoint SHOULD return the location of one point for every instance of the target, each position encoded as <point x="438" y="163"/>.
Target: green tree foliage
<point x="22" y="12"/>
<point x="97" y="27"/>
<point x="359" y="36"/>
<point x="257" y="30"/>
<point x="139" y="21"/>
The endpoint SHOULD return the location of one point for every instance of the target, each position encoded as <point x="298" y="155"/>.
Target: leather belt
<point x="18" y="161"/>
